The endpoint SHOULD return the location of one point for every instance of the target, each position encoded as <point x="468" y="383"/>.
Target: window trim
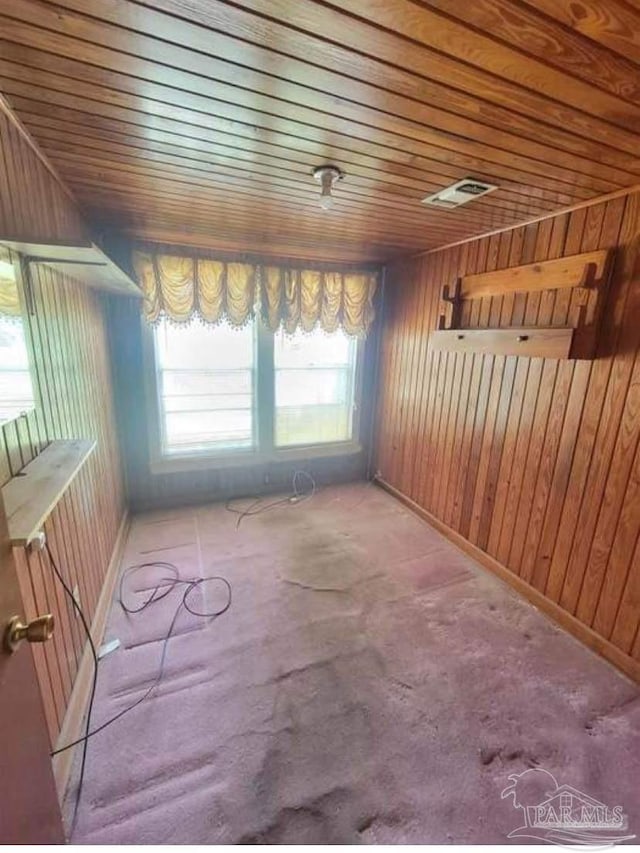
<point x="265" y="451"/>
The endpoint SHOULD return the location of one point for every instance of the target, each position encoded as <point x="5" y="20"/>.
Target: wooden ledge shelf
<point x="532" y="342"/>
<point x="30" y="497"/>
<point x="87" y="263"/>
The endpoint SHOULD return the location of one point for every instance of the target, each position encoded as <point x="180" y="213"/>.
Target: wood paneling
<point x="199" y="121"/>
<point x="73" y="382"/>
<point x="533" y="461"/>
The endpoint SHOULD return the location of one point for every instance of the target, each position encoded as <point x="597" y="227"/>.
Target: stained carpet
<point x="369" y="684"/>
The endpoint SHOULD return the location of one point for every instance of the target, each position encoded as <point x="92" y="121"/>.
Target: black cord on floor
<point x="94" y="682"/>
<point x="297" y="496"/>
<point x="163" y="587"/>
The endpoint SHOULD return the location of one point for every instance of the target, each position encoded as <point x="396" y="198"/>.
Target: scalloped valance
<point x="180" y="288"/>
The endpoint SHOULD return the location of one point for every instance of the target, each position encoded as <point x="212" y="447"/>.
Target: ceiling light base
<point x="330" y="173"/>
<point x="327" y="176"/>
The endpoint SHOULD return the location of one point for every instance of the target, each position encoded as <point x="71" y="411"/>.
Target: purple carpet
<point x="369" y="684"/>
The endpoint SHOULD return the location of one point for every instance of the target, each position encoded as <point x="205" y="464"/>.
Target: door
<point x="29" y="811"/>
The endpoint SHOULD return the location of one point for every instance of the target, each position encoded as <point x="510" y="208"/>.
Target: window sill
<point x="242" y="459"/>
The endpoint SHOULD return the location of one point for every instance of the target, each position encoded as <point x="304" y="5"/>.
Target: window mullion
<point x="266" y="388"/>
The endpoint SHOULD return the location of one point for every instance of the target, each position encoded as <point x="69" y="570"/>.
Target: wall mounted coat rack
<point x="587" y="272"/>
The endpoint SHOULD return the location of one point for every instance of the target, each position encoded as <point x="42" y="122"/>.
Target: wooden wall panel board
<point x="612" y="551"/>
<point x="610" y="508"/>
<point x="240" y="52"/>
<point x="625" y="629"/>
<point x="256" y="159"/>
<point x="411" y="474"/>
<point x="95" y="76"/>
<point x="390" y="33"/>
<point x="495" y="454"/>
<point x="168" y="117"/>
<point x="498" y="381"/>
<point x="407" y="381"/>
<point x="446" y="370"/>
<point x="221" y="116"/>
<point x="547" y="452"/>
<point x="394" y="383"/>
<point x="66" y="621"/>
<point x="415" y="382"/>
<point x="400" y="381"/>
<point x="537" y="438"/>
<point x="601" y="228"/>
<point x="443" y="33"/>
<point x="425" y="454"/>
<point x="484" y="490"/>
<point x="618" y="377"/>
<point x="573" y="233"/>
<point x="545" y="466"/>
<point x="380" y="160"/>
<point x="449" y="419"/>
<point x="431" y="361"/>
<point x="565" y="50"/>
<point x="464" y="363"/>
<point x="487" y="316"/>
<point x="294" y="189"/>
<point x="503" y="455"/>
<point x="451" y="376"/>
<point x="242" y="206"/>
<point x="392" y="305"/>
<point x="66" y="330"/>
<point x="536" y="310"/>
<point x="476" y="364"/>
<point x="613" y="24"/>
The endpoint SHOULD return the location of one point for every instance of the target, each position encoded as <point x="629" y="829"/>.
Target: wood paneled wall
<point x="73" y="382"/>
<point x="534" y="462"/>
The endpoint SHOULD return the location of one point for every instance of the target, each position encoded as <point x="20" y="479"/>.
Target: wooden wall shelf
<point x="87" y="263"/>
<point x="584" y="272"/>
<point x="30" y="497"/>
<point x="532" y="342"/>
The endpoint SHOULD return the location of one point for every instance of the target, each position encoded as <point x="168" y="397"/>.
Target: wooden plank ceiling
<point x="198" y="121"/>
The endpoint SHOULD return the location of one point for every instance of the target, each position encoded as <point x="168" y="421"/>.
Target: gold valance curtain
<point x="180" y="288"/>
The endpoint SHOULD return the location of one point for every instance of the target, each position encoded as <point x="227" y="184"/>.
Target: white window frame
<point x="265" y="450"/>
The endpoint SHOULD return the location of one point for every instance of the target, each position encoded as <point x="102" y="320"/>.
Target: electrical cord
<point x="163" y="587"/>
<point x="296" y="497"/>
<point x="171" y="584"/>
<point x="94" y="681"/>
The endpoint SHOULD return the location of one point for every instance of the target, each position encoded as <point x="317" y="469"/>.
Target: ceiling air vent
<point x="459" y="193"/>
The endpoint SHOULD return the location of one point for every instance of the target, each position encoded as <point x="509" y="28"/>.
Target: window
<point x="221" y="390"/>
<point x="315" y="383"/>
<point x="206" y="380"/>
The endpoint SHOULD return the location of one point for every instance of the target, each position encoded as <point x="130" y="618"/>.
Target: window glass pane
<point x="206" y="378"/>
<point x="314" y="386"/>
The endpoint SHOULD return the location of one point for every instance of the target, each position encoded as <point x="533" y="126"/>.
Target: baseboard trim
<point x="74" y="716"/>
<point x="586" y="635"/>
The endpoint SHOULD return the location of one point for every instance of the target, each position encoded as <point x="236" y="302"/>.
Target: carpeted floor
<point x="369" y="684"/>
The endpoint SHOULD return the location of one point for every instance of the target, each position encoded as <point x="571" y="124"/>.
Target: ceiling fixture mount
<point x="327" y="176"/>
<point x="459" y="193"/>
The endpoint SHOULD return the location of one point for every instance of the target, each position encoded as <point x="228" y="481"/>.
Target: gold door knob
<point x="38" y="630"/>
